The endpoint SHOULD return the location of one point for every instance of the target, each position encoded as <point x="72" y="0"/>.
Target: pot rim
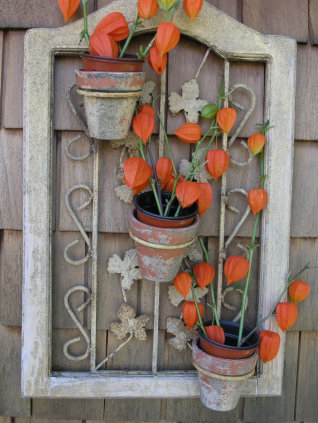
<point x="230" y="347"/>
<point x="222" y="359"/>
<point x="193" y="214"/>
<point x="130" y="59"/>
<point x="133" y="212"/>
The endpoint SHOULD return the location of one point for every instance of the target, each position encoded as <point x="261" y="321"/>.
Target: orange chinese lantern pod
<point x="170" y="183"/>
<point x="115" y="25"/>
<point x="189" y="313"/>
<point x="167" y="37"/>
<point x="269" y="345"/>
<point x="204" y="274"/>
<point x="217" y="162"/>
<point x="188" y="193"/>
<point x="156" y="61"/>
<point x="136" y="174"/>
<point x="192" y="8"/>
<point x="286" y="315"/>
<point x="145" y="108"/>
<point x="182" y="283"/>
<point x="103" y="44"/>
<point x="144" y="125"/>
<point x="216" y="333"/>
<point x="164" y="170"/>
<point x="298" y="291"/>
<point x="189" y="132"/>
<point x="236" y="268"/>
<point x="147" y="8"/>
<point x="206" y="197"/>
<point x="68" y="8"/>
<point x="226" y="118"/>
<point x="256" y="143"/>
<point x="257" y="199"/>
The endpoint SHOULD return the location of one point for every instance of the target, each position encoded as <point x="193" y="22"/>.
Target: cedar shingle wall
<point x="294" y="18"/>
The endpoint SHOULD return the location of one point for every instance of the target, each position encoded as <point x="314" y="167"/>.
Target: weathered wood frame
<point x="232" y="41"/>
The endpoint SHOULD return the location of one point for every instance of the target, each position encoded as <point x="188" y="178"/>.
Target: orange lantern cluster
<point x="269" y="345"/>
<point x="189" y="133"/>
<point x="217" y="162"/>
<point x="187" y="193"/>
<point x="68" y="8"/>
<point x="110" y="30"/>
<point x="164" y="170"/>
<point x="182" y="283"/>
<point x="298" y="291"/>
<point x="256" y="143"/>
<point x="147" y="8"/>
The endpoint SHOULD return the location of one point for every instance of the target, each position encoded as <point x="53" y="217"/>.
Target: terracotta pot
<point x="110" y="81"/>
<point x="221" y="380"/>
<point x="128" y="63"/>
<point x="230" y="349"/>
<point x="160" y="250"/>
<point x="147" y="211"/>
<point x="109" y="100"/>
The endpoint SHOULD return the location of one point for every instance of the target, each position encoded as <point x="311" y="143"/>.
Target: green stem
<point x="142" y="150"/>
<point x="260" y="323"/>
<point x="131" y="34"/>
<point x="251" y="248"/>
<point x="86" y="35"/>
<point x="167" y="144"/>
<point x="213" y="305"/>
<point x="167" y="211"/>
<point x="198" y="311"/>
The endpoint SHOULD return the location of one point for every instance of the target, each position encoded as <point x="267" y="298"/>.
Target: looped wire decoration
<point x="78" y="158"/>
<point x="235" y="210"/>
<point x="230" y="307"/>
<point x="243" y="122"/>
<point x="77" y="322"/>
<point x="78" y="224"/>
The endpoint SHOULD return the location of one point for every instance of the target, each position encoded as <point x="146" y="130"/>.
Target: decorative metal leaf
<point x="182" y="333"/>
<point x="148" y="90"/>
<point x="188" y="102"/>
<point x="127" y="268"/>
<point x="193" y="253"/>
<point x="131" y="142"/>
<point x="177" y="298"/>
<point x="129" y="323"/>
<point x="124" y="193"/>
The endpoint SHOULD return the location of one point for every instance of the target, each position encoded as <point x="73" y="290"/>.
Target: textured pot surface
<point x="221" y="380"/>
<point x="156" y="262"/>
<point x="129" y="63"/>
<point x="109" y="115"/>
<point x="230" y="348"/>
<point x="110" y="81"/>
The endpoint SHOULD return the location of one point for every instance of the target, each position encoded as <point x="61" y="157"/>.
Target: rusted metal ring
<point x="109" y="95"/>
<point x="160" y="246"/>
<point x="223" y="377"/>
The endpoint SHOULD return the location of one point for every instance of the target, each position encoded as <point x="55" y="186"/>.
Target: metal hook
<point x="77" y="322"/>
<point x="243" y="218"/>
<point x="78" y="224"/>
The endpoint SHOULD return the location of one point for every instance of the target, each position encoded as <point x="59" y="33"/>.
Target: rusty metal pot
<point x="221" y="380"/>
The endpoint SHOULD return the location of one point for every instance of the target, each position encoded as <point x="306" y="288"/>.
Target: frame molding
<point x="230" y="40"/>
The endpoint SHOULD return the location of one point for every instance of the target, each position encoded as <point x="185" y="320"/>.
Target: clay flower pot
<point x="109" y="99"/>
<point x="147" y="211"/>
<point x="230" y="349"/>
<point x="221" y="380"/>
<point x="160" y="250"/>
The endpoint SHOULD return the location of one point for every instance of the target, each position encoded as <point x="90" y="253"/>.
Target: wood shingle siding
<point x="295" y="18"/>
<point x="283" y="17"/>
